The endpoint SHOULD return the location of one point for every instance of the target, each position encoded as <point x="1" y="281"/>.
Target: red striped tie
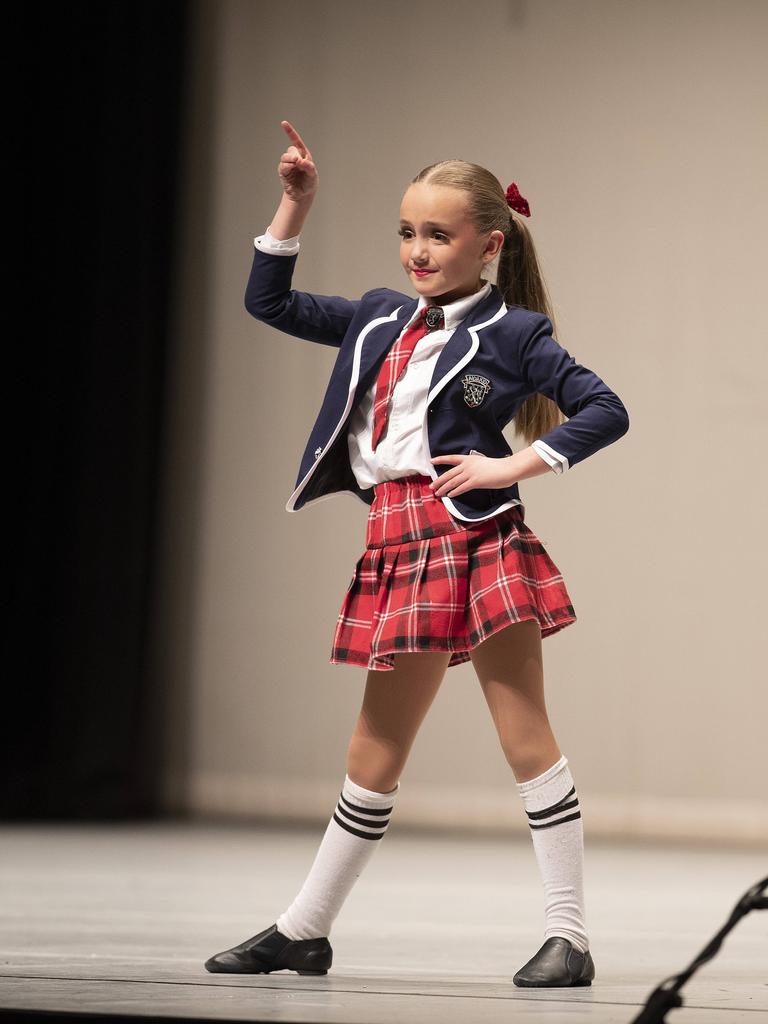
<point x="430" y="318"/>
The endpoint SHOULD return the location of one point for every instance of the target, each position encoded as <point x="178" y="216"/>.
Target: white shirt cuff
<point x="278" y="246"/>
<point x="558" y="462"/>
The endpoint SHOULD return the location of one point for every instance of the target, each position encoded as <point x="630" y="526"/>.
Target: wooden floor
<point x="119" y="919"/>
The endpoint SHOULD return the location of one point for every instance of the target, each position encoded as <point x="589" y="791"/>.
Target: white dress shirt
<point x="401" y="450"/>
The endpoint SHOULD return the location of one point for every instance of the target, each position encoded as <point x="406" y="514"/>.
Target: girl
<point x="412" y="425"/>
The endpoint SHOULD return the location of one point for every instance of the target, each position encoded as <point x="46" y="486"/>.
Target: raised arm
<point x="269" y="296"/>
<point x="300" y="180"/>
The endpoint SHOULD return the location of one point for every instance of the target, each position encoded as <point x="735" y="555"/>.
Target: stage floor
<point x="118" y="919"/>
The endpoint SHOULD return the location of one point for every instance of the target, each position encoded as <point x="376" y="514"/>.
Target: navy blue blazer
<point x="496" y="358"/>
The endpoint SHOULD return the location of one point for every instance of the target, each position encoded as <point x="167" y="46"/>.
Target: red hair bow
<point x="516" y="201"/>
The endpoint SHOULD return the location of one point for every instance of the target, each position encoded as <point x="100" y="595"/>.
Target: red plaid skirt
<point x="429" y="582"/>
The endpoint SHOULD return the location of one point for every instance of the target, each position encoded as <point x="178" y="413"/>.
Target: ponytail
<point x="520" y="282"/>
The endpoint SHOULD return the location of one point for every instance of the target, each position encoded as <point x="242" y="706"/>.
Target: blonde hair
<point x="519" y="277"/>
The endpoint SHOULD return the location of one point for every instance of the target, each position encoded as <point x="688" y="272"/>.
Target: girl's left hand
<point x="470" y="471"/>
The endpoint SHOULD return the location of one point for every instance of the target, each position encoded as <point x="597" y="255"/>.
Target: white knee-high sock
<point x="358" y="824"/>
<point x="554" y="817"/>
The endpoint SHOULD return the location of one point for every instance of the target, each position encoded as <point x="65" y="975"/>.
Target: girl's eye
<point x="407" y="233"/>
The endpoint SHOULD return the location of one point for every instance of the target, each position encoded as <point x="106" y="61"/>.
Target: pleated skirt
<point x="429" y="582"/>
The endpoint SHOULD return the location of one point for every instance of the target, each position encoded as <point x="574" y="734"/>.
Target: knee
<point x="374" y="765"/>
<point x="529" y="761"/>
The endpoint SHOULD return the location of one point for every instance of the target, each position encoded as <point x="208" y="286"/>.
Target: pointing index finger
<point x="295" y="138"/>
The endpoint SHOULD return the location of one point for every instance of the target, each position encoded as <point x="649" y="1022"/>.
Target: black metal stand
<point x="666" y="996"/>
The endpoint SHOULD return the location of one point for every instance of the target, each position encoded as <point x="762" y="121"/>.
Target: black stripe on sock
<point x="561" y="805"/>
<point x="356" y="831"/>
<point x="550" y="824"/>
<point x="361" y="821"/>
<point x="365" y="810"/>
<point x="565" y="807"/>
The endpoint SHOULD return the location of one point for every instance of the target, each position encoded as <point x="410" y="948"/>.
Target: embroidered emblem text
<point x="475" y="389"/>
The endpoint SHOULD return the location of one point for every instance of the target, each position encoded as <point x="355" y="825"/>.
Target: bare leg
<point x="509" y="668"/>
<point x="394" y="706"/>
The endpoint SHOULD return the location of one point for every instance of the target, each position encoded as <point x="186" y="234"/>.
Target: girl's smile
<point x="440" y="248"/>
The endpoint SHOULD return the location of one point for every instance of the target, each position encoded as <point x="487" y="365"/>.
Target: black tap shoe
<point x="270" y="950"/>
<point x="558" y="963"/>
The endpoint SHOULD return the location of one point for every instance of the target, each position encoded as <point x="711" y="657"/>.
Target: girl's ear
<point x="493" y="245"/>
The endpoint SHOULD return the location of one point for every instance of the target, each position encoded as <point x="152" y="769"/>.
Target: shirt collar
<point x="456" y="311"/>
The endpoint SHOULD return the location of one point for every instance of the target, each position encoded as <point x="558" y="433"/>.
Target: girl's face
<point x="440" y="248"/>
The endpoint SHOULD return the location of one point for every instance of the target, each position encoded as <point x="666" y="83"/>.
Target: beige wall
<point x="636" y="130"/>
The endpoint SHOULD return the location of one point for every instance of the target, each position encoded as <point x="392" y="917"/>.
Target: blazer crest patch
<point x="475" y="389"/>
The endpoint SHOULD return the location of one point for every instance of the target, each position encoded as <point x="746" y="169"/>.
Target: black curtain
<point x="98" y="98"/>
